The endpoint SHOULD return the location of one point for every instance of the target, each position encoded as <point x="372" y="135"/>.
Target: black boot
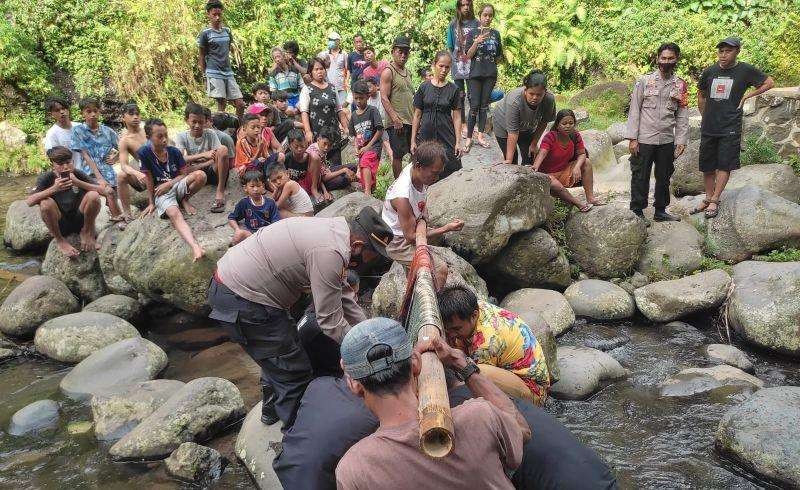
<point x="268" y="414"/>
<point x="662" y="215"/>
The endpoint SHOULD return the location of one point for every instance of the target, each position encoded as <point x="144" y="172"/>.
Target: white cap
<point x="334" y="36"/>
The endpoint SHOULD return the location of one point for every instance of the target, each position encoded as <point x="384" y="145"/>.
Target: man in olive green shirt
<point x="397" y="96"/>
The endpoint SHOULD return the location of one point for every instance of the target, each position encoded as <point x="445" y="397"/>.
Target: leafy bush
<point x="759" y="152"/>
<point x="27" y="160"/>
<point x="384" y="179"/>
<point x="784" y="254"/>
<point x="20" y="67"/>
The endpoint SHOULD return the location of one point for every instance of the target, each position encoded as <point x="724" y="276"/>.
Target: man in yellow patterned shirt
<point x="499" y="341"/>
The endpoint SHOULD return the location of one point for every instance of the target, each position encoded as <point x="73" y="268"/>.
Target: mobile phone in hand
<point x="64" y="175"/>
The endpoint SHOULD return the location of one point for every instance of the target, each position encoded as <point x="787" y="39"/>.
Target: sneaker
<point x="661" y="215"/>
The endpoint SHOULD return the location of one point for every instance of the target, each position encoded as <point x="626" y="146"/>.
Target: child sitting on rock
<point x="170" y="182"/>
<point x="326" y="178"/>
<point x="60" y="133"/>
<point x="251" y="149"/>
<point x="255" y="210"/>
<point x="292" y="199"/>
<point x="69" y="201"/>
<point x="267" y="116"/>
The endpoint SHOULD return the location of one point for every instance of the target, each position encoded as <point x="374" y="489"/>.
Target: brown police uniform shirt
<point x="292" y="256"/>
<point x="658" y="113"/>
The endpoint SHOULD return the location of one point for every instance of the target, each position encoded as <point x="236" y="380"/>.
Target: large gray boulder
<point x="777" y="178"/>
<point x="687" y="180"/>
<point x="730" y="355"/>
<point x="616" y="132"/>
<point x="257" y="446"/>
<point x="125" y="307"/>
<point x="495" y="202"/>
<point x="607" y="241"/>
<point x="122" y="363"/>
<point x="38" y="416"/>
<point x="550" y="305"/>
<point x="36" y="300"/>
<point x="532" y="259"/>
<point x="197" y="411"/>
<point x="25" y="231"/>
<point x="600" y="300"/>
<point x="387" y="299"/>
<point x="74" y="337"/>
<point x="665" y="301"/>
<point x="81" y="274"/>
<point x="350" y="205"/>
<point x="761" y="434"/>
<point x="671" y="249"/>
<point x="11" y="136"/>
<point x="600" y="148"/>
<point x="194" y="463"/>
<point x="720" y="379"/>
<point x="751" y="220"/>
<point x="116" y="414"/>
<point x="582" y="371"/>
<point x="116" y="284"/>
<point x="764" y="307"/>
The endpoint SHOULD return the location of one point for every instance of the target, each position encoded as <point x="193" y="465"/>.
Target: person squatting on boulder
<point x="657" y="131"/>
<point x="257" y="282"/>
<point x="500" y="342"/>
<point x="381" y="367"/>
<point x="69" y="201"/>
<point x="522" y="116"/>
<point x="720" y="98"/>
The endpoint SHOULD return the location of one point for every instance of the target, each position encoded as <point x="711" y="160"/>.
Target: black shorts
<point x="70" y="223"/>
<point x="211" y="175"/>
<point x="400" y="141"/>
<point x="720" y="152"/>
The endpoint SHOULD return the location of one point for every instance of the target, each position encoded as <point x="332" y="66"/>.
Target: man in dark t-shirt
<point x="720" y="98"/>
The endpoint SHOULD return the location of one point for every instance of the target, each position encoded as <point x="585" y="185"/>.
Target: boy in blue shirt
<point x="214" y="43"/>
<point x="169" y="182"/>
<point x="255" y="210"/>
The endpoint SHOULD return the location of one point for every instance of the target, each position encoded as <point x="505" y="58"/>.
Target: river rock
<point x="617" y="133"/>
<point x="256" y="446"/>
<point x="74" y="337"/>
<point x="387" y="299"/>
<point x="600" y="148"/>
<point x="550" y="305"/>
<point x="621" y="149"/>
<point x="531" y="259"/>
<point x="672" y="248"/>
<point x="121" y="363"/>
<point x="81" y="274"/>
<point x="600" y="300"/>
<point x="582" y="371"/>
<point x="765" y="305"/>
<point x="38" y="416"/>
<point x="512" y="198"/>
<point x="36" y="300"/>
<point x="125" y="307"/>
<point x="607" y="241"/>
<point x="665" y="301"/>
<point x="687" y="180"/>
<point x="761" y="434"/>
<point x="197" y="411"/>
<point x="350" y="205"/>
<point x="777" y="178"/>
<point x="751" y="220"/>
<point x="195" y="463"/>
<point x="730" y="355"/>
<point x="116" y="284"/>
<point x="11" y="136"/>
<point x="117" y="413"/>
<point x="720" y="378"/>
<point x="25" y="231"/>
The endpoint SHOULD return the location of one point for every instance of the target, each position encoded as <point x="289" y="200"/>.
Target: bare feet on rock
<point x="66" y="248"/>
<point x="88" y="241"/>
<point x="188" y="208"/>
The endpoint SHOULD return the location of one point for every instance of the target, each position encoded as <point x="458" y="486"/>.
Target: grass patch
<point x="784" y="254"/>
<point x="759" y="152"/>
<point x="26" y="160"/>
<point x="384" y="180"/>
<point x="710" y="263"/>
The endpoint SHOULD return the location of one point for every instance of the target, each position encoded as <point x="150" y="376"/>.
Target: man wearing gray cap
<point x="259" y="280"/>
<point x="720" y="98"/>
<point x="381" y="367"/>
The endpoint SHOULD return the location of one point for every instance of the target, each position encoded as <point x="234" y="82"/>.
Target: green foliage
<point x="27" y="160"/>
<point x="784" y="254"/>
<point x="604" y="110"/>
<point x="20" y="67"/>
<point x="729" y="10"/>
<point x="759" y="152"/>
<point x="794" y="162"/>
<point x="384" y="180"/>
<point x="710" y="263"/>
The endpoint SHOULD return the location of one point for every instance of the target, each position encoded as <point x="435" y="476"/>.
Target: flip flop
<point x="484" y="144"/>
<point x="702" y="207"/>
<point x="586" y="207"/>
<point x="467" y="147"/>
<point x="218" y="206"/>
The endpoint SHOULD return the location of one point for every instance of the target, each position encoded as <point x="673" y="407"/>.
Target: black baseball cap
<point x="733" y="42"/>
<point x="401" y="42"/>
<point x="371" y="225"/>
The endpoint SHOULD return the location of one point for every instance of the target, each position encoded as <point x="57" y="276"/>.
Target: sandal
<point x="467" y="146"/>
<point x="218" y="206"/>
<point x="586" y="207"/>
<point x="702" y="207"/>
<point x="484" y="143"/>
<point x="712" y="213"/>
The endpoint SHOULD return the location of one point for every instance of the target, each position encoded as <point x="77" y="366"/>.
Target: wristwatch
<point x="468" y="370"/>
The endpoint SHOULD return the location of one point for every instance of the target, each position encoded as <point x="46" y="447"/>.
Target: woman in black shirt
<point x="485" y="51"/>
<point x="437" y="113"/>
<point x="319" y="109"/>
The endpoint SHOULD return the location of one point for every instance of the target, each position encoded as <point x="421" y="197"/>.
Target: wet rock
<point x="108" y="240"/>
<point x="761" y="434"/>
<point x="600" y="148"/>
<point x="607" y="241"/>
<point x="751" y="220"/>
<point x="777" y="178"/>
<point x="350" y="205"/>
<point x="582" y="371"/>
<point x="79" y="428"/>
<point x="617" y="133"/>
<point x="36" y="300"/>
<point x="730" y="355"/>
<point x="687" y="180"/>
<point x="531" y="259"/>
<point x="74" y="337"/>
<point x="665" y="301"/>
<point x="550" y="305"/>
<point x="387" y="299"/>
<point x="38" y="416"/>
<point x="116" y="414"/>
<point x="671" y="249"/>
<point x="512" y="199"/>
<point x="682" y="334"/>
<point x="125" y="307"/>
<point x="605" y="338"/>
<point x="600" y="300"/>
<point x="6" y="354"/>
<point x="195" y="463"/>
<point x="25" y="231"/>
<point x="721" y="378"/>
<point x="81" y="274"/>
<point x="765" y="305"/>
<point x="200" y="409"/>
<point x="256" y="447"/>
<point x="119" y="364"/>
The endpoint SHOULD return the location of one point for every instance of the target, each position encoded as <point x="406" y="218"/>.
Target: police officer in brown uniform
<point x="259" y="280"/>
<point x="657" y="130"/>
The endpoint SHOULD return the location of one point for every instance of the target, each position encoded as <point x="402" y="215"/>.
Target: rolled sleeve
<point x="325" y="268"/>
<point x="635" y="112"/>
